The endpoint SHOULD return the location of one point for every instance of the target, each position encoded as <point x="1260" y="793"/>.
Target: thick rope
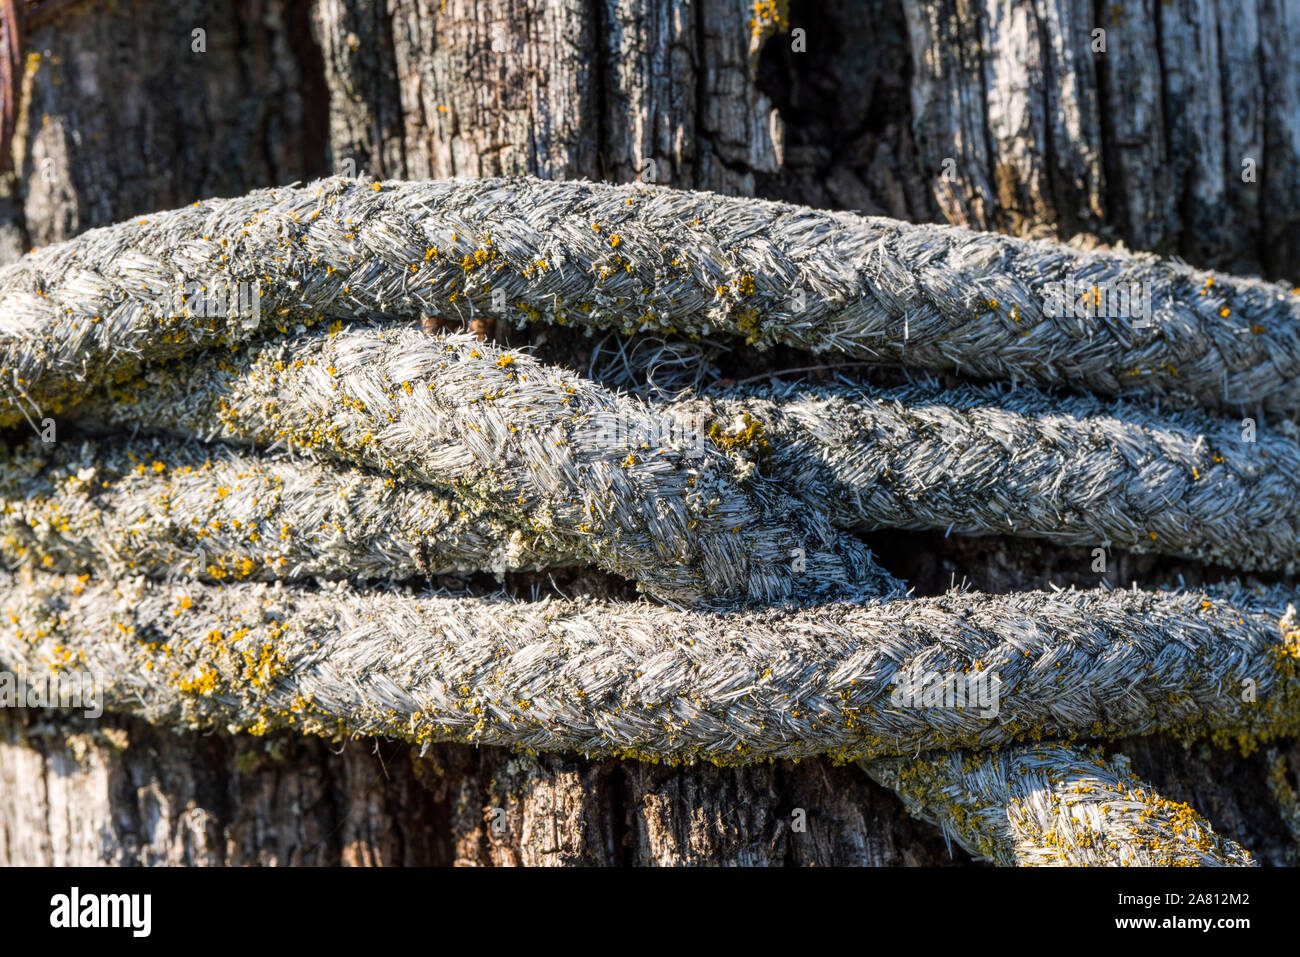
<point x="1052" y="804"/>
<point x="982" y="461"/>
<point x="168" y="509"/>
<point x="88" y="312"/>
<point x="641" y="680"/>
<point x="798" y="426"/>
<point x="975" y="460"/>
<point x="638" y="258"/>
<point x="603" y="476"/>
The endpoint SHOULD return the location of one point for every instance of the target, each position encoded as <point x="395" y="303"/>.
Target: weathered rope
<point x="604" y="477"/>
<point x="640" y="680"/>
<point x="983" y="461"/>
<point x="638" y="258"/>
<point x="1052" y="804"/>
<point x="974" y="460"/>
<point x="168" y="508"/>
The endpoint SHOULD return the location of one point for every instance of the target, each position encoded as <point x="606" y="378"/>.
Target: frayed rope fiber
<point x="443" y="455"/>
<point x="1052" y="804"/>
<point x="851" y="680"/>
<point x="94" y="308"/>
<point x="170" y="508"/>
<point x="976" y="460"/>
<point x="602" y="476"/>
<point x="980" y="460"/>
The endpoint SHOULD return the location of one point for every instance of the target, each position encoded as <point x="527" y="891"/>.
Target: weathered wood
<point x="118" y="113"/>
<point x="1142" y="142"/>
<point x="493" y="89"/>
<point x="120" y="791"/>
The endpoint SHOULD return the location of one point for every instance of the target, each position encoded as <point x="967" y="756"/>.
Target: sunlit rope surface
<point x="639" y="258"/>
<point x="448" y="455"/>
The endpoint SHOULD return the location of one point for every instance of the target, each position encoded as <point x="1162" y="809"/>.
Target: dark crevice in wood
<point x="1231" y="168"/>
<point x="601" y="77"/>
<point x="313" y="89"/>
<point x="1264" y="248"/>
<point x="1059" y="205"/>
<point x="218" y="798"/>
<point x="845" y="107"/>
<point x="995" y="215"/>
<point x="387" y="42"/>
<point x="621" y="836"/>
<point x="1166" y="110"/>
<point x="1112" y="179"/>
<point x="705" y="153"/>
<point x="328" y="812"/>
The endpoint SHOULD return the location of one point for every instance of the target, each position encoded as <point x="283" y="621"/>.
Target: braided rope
<point x="976" y="460"/>
<point x="638" y="258"/>
<point x="642" y="680"/>
<point x="1051" y="804"/>
<point x="168" y="508"/>
<point x="604" y="477"/>
<point x="600" y="678"/>
<point x="104" y="531"/>
<point x="1072" y="470"/>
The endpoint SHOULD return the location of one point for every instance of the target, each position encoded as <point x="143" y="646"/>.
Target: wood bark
<point x="998" y="114"/>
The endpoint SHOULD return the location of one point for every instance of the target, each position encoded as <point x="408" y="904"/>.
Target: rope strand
<point x="1050" y="804"/>
<point x="983" y="461"/>
<point x="849" y="680"/>
<point x="170" y="509"/>
<point x="604" y="477"/>
<point x="638" y="258"/>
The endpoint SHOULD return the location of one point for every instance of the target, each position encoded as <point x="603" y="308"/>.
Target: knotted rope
<point x="599" y="474"/>
<point x="974" y="460"/>
<point x="449" y="455"/>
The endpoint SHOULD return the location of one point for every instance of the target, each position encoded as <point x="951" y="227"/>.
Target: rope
<point x="171" y="509"/>
<point x="448" y="455"/>
<point x="641" y="259"/>
<point x="975" y="460"/>
<point x="603" y="476"/>
<point x="1051" y="804"/>
<point x="845" y="679"/>
<point x="1071" y="470"/>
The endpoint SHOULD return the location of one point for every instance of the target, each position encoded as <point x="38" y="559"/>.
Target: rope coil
<point x="1048" y="804"/>
<point x="846" y="679"/>
<point x="438" y="454"/>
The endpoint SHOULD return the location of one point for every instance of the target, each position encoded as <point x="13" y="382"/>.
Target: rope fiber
<point x="229" y="530"/>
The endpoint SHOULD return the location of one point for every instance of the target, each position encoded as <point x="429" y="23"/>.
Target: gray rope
<point x="169" y="509"/>
<point x="600" y="476"/>
<point x="637" y="258"/>
<point x="982" y="461"/>
<point x="86" y="313"/>
<point x="975" y="460"/>
<point x="641" y="680"/>
<point x="1051" y="804"/>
